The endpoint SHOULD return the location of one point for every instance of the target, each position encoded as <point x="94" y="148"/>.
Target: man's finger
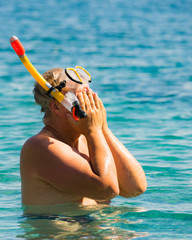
<point x="81" y="101"/>
<point x="97" y="100"/>
<point x="86" y="100"/>
<point x="90" y="96"/>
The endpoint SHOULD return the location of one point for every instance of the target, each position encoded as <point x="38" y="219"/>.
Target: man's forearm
<point x="100" y="154"/>
<point x="132" y="180"/>
<point x="102" y="160"/>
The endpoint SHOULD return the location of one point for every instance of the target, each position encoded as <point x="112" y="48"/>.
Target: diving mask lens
<point x="78" y="75"/>
<point x="73" y="75"/>
<point x="83" y="74"/>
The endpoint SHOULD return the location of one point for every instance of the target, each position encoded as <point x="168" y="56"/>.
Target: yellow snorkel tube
<point x="70" y="102"/>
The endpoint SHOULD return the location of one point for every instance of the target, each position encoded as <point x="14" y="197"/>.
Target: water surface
<point x="139" y="54"/>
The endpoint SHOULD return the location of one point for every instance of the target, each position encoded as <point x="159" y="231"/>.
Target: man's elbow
<point x="141" y="188"/>
<point x="108" y="192"/>
<point x="135" y="191"/>
<point x="113" y="191"/>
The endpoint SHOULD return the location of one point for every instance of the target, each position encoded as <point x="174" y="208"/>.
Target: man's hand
<point x="91" y="104"/>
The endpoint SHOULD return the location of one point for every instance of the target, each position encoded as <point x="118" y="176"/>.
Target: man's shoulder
<point x="41" y="145"/>
<point x="35" y="141"/>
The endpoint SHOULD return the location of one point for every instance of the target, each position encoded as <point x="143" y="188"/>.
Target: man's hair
<point x="40" y="95"/>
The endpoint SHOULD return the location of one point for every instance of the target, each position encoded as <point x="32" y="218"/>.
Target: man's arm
<point x="131" y="177"/>
<point x="57" y="164"/>
<point x="101" y="159"/>
<point x="62" y="167"/>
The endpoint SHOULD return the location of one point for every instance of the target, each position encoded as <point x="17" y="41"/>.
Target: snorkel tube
<point x="69" y="101"/>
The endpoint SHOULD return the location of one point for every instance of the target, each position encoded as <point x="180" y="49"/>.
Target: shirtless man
<point x="72" y="161"/>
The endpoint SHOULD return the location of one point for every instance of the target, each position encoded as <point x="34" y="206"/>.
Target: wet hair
<point x="40" y="95"/>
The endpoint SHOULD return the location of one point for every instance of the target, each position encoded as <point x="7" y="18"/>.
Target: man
<point x="71" y="161"/>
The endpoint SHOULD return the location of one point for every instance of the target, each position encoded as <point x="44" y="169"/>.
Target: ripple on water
<point x="139" y="56"/>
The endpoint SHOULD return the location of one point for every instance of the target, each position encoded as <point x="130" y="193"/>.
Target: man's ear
<point x="54" y="105"/>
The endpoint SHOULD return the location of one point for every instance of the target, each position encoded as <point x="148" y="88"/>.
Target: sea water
<point x="139" y="54"/>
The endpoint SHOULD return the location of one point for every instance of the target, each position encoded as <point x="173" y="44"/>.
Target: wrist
<point x="93" y="132"/>
<point x="105" y="129"/>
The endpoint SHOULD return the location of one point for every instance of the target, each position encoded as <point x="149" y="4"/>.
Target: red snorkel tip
<point x="17" y="46"/>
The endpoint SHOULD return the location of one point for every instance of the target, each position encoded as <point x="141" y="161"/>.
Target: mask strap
<point x="59" y="87"/>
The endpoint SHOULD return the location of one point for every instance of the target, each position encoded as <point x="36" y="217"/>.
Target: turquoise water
<point x="140" y="56"/>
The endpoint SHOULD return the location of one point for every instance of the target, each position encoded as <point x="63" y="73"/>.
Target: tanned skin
<point x="81" y="161"/>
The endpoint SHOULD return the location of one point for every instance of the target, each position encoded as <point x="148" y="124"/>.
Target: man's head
<point x="55" y="76"/>
<point x="40" y="95"/>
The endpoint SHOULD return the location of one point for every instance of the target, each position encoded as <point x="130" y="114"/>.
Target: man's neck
<point x="63" y="132"/>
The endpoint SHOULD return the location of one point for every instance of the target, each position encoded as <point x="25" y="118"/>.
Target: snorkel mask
<point x="72" y="80"/>
<point x="75" y="79"/>
<point x="77" y="75"/>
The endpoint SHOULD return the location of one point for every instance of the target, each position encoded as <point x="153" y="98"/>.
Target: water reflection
<point x="89" y="222"/>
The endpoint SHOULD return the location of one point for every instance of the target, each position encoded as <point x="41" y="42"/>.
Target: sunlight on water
<point x="139" y="55"/>
<point x="105" y="222"/>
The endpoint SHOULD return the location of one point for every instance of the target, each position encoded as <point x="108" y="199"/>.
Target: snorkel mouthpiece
<point x="71" y="102"/>
<point x="68" y="102"/>
<point x="77" y="111"/>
